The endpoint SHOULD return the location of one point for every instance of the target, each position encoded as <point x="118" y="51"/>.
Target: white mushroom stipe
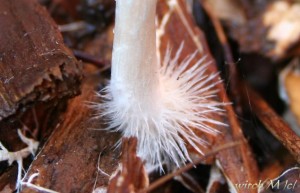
<point x="161" y="105"/>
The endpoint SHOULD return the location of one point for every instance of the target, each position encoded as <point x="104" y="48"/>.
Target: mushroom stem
<point x="162" y="104"/>
<point x="135" y="69"/>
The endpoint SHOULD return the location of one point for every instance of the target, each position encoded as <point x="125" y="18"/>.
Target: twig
<point x="264" y="112"/>
<point x="75" y="26"/>
<point x="89" y="58"/>
<point x="189" y="166"/>
<point x="233" y="75"/>
<point x="235" y="89"/>
<point x="274" y="123"/>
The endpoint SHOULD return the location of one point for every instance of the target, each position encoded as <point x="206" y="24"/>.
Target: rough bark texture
<point x="35" y="65"/>
<point x="76" y="155"/>
<point x="68" y="162"/>
<point x="77" y="158"/>
<point x="131" y="176"/>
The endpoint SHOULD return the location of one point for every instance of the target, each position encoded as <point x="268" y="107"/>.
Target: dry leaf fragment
<point x="230" y="10"/>
<point x="270" y="28"/>
<point x="289" y="89"/>
<point x="283" y="19"/>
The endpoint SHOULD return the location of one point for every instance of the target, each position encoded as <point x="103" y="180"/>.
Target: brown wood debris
<point x="287" y="182"/>
<point x="275" y="124"/>
<point x="131" y="176"/>
<point x="263" y="111"/>
<point x="37" y="123"/>
<point x="65" y="141"/>
<point x="267" y="27"/>
<point x="289" y="83"/>
<point x="193" y="38"/>
<point x="267" y="116"/>
<point x="68" y="161"/>
<point x="35" y="66"/>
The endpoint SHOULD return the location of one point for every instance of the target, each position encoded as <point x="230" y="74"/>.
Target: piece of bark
<point x="131" y="176"/>
<point x="68" y="161"/>
<point x="98" y="158"/>
<point x="35" y="66"/>
<point x="76" y="157"/>
<point x="237" y="164"/>
<point x="37" y="123"/>
<point x="175" y="26"/>
<point x="8" y="179"/>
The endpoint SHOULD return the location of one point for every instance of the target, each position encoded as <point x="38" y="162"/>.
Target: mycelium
<point x="160" y="103"/>
<point x="18" y="156"/>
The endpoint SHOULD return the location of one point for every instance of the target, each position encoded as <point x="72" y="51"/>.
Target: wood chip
<point x="35" y="66"/>
<point x="76" y="157"/>
<point x="70" y="159"/>
<point x="131" y="176"/>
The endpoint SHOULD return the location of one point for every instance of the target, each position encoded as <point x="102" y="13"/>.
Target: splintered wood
<point x="131" y="175"/>
<point x="77" y="152"/>
<point x="81" y="156"/>
<point x="270" y="28"/>
<point x="69" y="151"/>
<point x="78" y="155"/>
<point x="35" y="66"/>
<point x="275" y="124"/>
<point x="176" y="26"/>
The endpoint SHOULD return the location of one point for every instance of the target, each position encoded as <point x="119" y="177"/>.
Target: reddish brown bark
<point x="35" y="65"/>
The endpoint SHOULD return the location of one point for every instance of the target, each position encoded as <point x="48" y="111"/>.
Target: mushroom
<point x="160" y="103"/>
